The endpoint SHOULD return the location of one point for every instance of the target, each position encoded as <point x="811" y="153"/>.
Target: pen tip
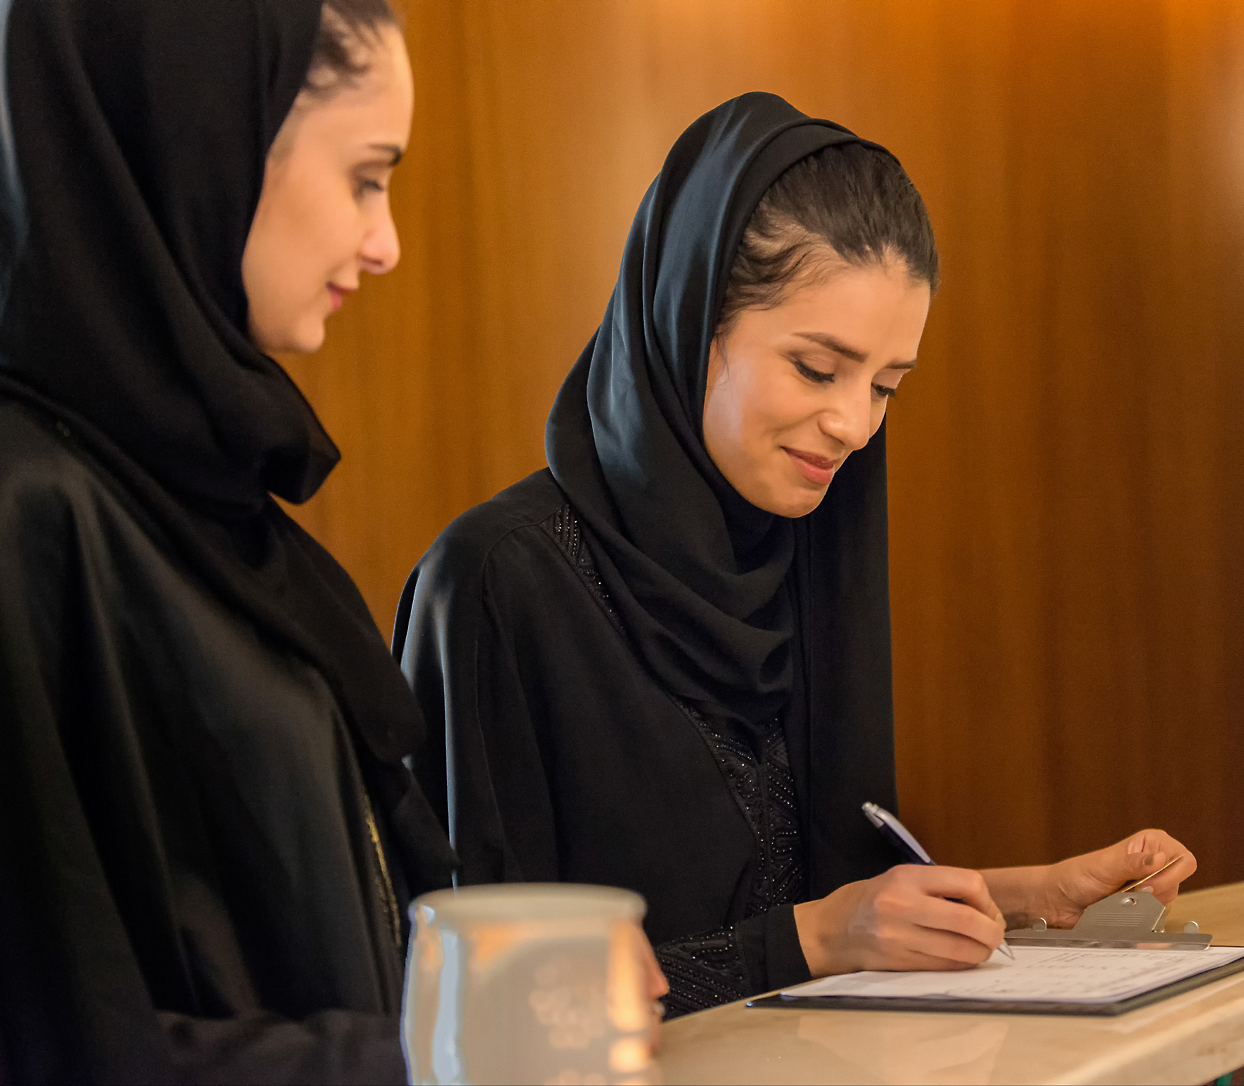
<point x="1007" y="950"/>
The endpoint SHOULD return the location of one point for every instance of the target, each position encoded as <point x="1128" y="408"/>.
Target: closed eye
<point x="819" y="377"/>
<point x="885" y="391"/>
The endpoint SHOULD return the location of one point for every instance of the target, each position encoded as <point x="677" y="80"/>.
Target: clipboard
<point x="1126" y="920"/>
<point x="1130" y="919"/>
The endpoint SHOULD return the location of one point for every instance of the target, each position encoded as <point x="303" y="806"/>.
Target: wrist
<point x="805" y="924"/>
<point x="810" y="927"/>
<point x="1022" y="894"/>
<point x="821" y="926"/>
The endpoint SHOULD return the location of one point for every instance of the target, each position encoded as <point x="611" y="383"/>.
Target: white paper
<point x="1038" y="974"/>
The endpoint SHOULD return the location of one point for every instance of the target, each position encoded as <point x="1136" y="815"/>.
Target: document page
<point x="1045" y="974"/>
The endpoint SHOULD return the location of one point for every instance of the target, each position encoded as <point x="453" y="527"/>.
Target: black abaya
<point x="606" y="696"/>
<point x="190" y="890"/>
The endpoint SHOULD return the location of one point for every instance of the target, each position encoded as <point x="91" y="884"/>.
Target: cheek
<point x="320" y="230"/>
<point x="779" y="411"/>
<point x="878" y="416"/>
<point x="739" y="416"/>
<point x="767" y="411"/>
<point x="295" y="249"/>
<point x="745" y="426"/>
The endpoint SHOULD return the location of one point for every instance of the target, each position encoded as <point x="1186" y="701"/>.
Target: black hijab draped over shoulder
<point x="133" y="140"/>
<point x="741" y="613"/>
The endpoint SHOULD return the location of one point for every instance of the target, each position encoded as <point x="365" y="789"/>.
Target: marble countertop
<point x="1190" y="1038"/>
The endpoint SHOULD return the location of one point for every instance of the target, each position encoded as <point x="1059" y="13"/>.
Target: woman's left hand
<point x="1075" y="884"/>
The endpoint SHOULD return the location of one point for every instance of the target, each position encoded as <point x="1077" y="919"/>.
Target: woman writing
<point x="664" y="663"/>
<point x="207" y="834"/>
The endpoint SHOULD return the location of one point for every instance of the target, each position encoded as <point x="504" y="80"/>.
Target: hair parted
<point x="347" y="28"/>
<point x="847" y="201"/>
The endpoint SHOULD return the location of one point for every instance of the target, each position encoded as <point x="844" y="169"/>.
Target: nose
<point x="849" y="421"/>
<point x="381" y="248"/>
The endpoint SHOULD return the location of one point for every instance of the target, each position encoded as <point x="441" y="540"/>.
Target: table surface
<point x="1190" y="1038"/>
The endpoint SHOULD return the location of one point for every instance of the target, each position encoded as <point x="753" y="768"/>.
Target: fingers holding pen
<point x="957" y="931"/>
<point x="910" y="917"/>
<point x="949" y="912"/>
<point x="955" y="885"/>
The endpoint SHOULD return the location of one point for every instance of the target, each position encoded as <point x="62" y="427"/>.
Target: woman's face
<point x="323" y="216"/>
<point x="794" y="390"/>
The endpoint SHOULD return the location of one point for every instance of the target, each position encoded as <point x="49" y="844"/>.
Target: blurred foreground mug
<point x="527" y="983"/>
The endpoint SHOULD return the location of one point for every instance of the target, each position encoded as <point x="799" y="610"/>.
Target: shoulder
<point x="506" y="526"/>
<point x="61" y="507"/>
<point x="63" y="524"/>
<point x="45" y="482"/>
<point x="500" y="541"/>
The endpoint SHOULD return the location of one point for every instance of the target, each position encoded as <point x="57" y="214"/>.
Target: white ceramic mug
<point x="527" y="983"/>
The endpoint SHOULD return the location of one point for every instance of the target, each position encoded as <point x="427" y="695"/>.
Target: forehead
<point x="389" y="67"/>
<point x="875" y="308"/>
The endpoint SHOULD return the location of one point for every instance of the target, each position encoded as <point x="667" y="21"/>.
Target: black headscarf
<point x="140" y="131"/>
<point x="696" y="572"/>
<point x="133" y="138"/>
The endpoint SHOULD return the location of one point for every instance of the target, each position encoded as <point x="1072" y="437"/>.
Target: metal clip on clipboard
<point x="1129" y="920"/>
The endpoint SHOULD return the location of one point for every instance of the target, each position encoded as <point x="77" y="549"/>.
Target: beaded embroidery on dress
<point x="708" y="968"/>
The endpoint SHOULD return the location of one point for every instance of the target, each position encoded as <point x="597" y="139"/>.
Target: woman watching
<point x="207" y="834"/>
<point x="664" y="663"/>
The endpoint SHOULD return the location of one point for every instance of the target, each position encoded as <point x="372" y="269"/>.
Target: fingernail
<point x="1149" y="860"/>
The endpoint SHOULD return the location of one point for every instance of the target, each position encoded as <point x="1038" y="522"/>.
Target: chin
<point x="311" y="339"/>
<point x="287" y="341"/>
<point x="306" y="340"/>
<point x="806" y="507"/>
<point x="794" y="505"/>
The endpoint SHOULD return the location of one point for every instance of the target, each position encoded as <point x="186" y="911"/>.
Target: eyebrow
<point x="391" y="149"/>
<point x="838" y="347"/>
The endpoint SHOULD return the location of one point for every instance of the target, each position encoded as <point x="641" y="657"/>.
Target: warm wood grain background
<point x="1067" y="468"/>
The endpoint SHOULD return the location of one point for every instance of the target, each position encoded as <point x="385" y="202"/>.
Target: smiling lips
<point x="338" y="295"/>
<point x="817" y="469"/>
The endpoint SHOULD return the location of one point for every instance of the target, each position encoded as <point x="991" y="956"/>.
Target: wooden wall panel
<point x="1067" y="467"/>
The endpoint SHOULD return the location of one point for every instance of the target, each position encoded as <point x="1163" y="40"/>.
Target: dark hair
<point x="855" y="201"/>
<point x="345" y="25"/>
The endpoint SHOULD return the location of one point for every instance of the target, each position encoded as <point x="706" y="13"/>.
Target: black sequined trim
<point x="703" y="971"/>
<point x="764" y="788"/>
<point x="708" y="968"/>
<point x="564" y="527"/>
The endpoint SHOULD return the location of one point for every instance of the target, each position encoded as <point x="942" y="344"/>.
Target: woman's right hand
<point x="903" y="919"/>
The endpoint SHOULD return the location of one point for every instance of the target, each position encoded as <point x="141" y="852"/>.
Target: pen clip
<point x="897" y="833"/>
